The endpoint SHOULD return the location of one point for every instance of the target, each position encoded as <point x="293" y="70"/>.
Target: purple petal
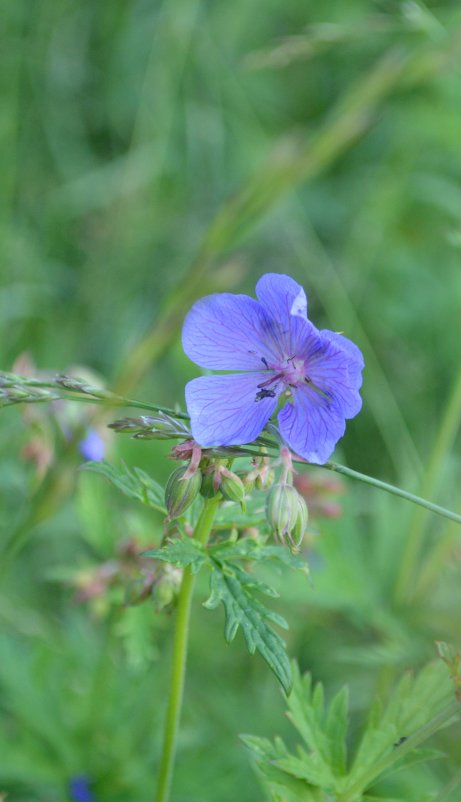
<point x="281" y="296"/>
<point x="333" y="370"/>
<point x="227" y="332"/>
<point x="309" y="427"/>
<point x="355" y="357"/>
<point x="223" y="409"/>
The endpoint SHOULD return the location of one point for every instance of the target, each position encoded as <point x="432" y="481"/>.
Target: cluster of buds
<point x="204" y="476"/>
<point x="133" y="576"/>
<point x="209" y="474"/>
<point x="260" y="476"/>
<point x="218" y="478"/>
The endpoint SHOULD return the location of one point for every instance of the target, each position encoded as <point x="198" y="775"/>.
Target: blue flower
<point x="79" y="789"/>
<point x="92" y="446"/>
<point x="284" y="358"/>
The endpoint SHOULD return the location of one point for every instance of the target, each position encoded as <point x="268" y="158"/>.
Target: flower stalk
<point x="180" y="647"/>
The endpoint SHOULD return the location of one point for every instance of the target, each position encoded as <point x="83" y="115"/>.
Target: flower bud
<point x="180" y="492"/>
<point x="265" y="479"/>
<point x="296" y="535"/>
<point x="166" y="588"/>
<point x="248" y="480"/>
<point x="232" y="487"/>
<point x="151" y="427"/>
<point x="282" y="509"/>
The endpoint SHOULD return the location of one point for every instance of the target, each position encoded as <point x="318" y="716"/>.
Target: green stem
<point x="395" y="491"/>
<point x="445" y="438"/>
<point x="180" y="644"/>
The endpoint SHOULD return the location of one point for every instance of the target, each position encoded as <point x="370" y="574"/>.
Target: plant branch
<point x="395" y="491"/>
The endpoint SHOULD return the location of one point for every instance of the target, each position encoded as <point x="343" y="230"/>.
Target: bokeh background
<point x="153" y="152"/>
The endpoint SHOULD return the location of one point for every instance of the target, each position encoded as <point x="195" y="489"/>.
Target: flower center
<point x="291" y="372"/>
<point x="294" y="372"/>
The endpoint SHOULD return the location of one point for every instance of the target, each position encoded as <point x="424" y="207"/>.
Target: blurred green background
<point x="155" y="152"/>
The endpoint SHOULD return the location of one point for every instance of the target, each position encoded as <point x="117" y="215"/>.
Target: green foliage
<point x="152" y="153"/>
<point x="236" y="589"/>
<point x="387" y="744"/>
<point x="181" y="553"/>
<point x="133" y="482"/>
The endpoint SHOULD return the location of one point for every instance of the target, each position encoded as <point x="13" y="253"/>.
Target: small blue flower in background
<point x="92" y="446"/>
<point x="79" y="789"/>
<point x="284" y="356"/>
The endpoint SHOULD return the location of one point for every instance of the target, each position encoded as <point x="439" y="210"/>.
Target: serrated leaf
<point x="133" y="482"/>
<point x="261" y="747"/>
<point x="235" y="589"/>
<point x="267" y="753"/>
<point x="180" y="552"/>
<point x="336" y="730"/>
<point x="291" y="789"/>
<point x="389" y="743"/>
<point x="306" y="712"/>
<point x="309" y="768"/>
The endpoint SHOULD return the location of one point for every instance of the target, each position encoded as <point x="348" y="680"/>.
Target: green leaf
<point x="403" y="716"/>
<point x="307" y="714"/>
<point x="417" y="708"/>
<point x="286" y="788"/>
<point x="134" y="483"/>
<point x="181" y="552"/>
<point x="336" y="730"/>
<point x="235" y="589"/>
<point x="306" y="767"/>
<point x="291" y="788"/>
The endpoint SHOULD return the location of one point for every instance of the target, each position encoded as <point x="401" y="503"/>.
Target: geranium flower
<point x="284" y="358"/>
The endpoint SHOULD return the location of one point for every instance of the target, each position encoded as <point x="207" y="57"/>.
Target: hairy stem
<point x="395" y="491"/>
<point x="180" y="644"/>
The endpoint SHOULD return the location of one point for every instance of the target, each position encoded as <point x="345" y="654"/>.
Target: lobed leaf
<point x="235" y="589"/>
<point x="384" y="747"/>
<point x="181" y="553"/>
<point x="403" y="716"/>
<point x="133" y="482"/>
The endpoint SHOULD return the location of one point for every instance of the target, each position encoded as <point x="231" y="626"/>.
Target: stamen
<point x="271" y="380"/>
<point x="322" y="393"/>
